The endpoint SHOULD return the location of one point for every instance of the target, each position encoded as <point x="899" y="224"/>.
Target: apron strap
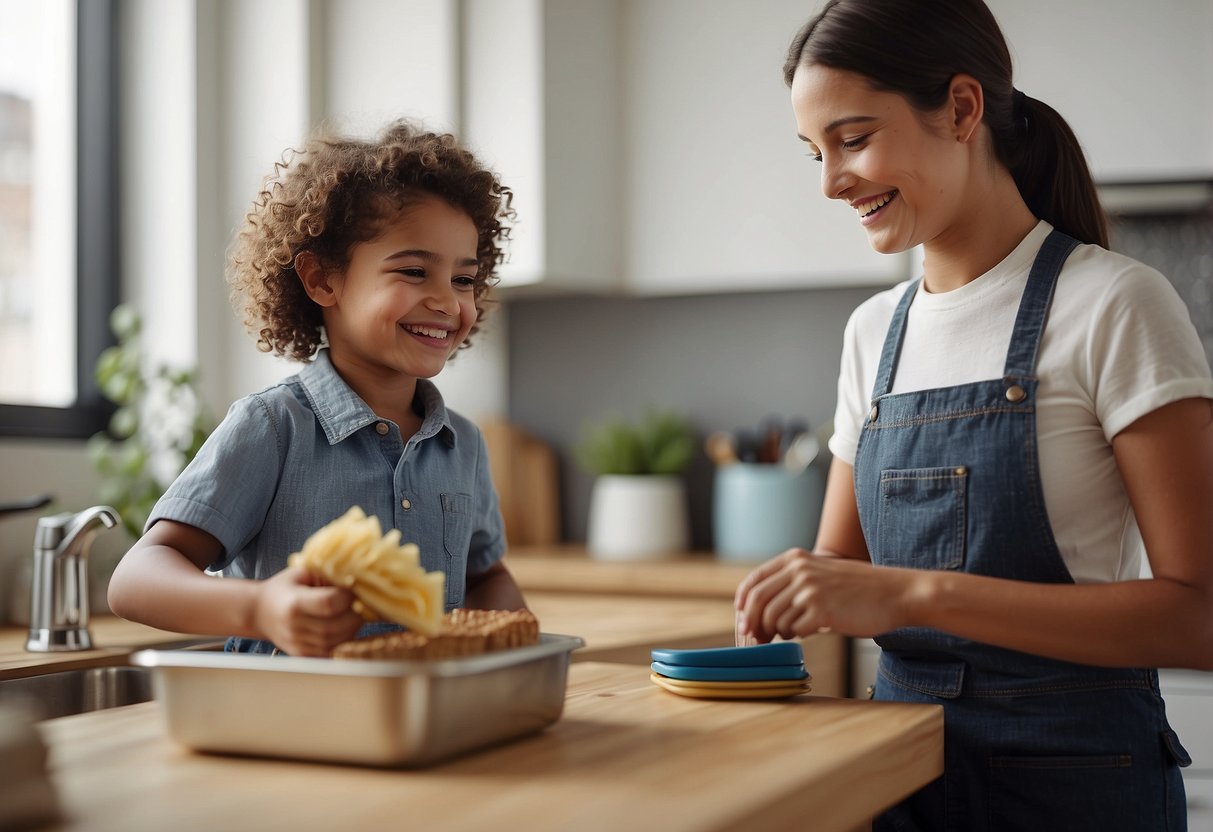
<point x="1034" y="306"/>
<point x="1029" y="321"/>
<point x="892" y="343"/>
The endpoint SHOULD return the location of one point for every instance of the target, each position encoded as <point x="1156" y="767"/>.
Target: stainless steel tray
<point x="384" y="713"/>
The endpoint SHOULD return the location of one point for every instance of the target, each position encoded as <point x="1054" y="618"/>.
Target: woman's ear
<point x="314" y="278"/>
<point x="967" y="100"/>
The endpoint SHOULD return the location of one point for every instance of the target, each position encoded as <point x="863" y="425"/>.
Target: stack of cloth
<point x="763" y="671"/>
<point x="462" y="633"/>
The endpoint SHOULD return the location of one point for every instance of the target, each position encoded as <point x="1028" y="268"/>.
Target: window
<point x="58" y="212"/>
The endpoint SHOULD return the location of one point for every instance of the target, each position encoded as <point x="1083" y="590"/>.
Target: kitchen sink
<point x="67" y="692"/>
<point x="70" y="692"/>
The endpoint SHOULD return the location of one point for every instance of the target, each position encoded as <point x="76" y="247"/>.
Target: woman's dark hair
<point x="339" y="191"/>
<point x="915" y="47"/>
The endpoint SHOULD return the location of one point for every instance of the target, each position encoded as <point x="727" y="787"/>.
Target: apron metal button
<point x="1015" y="393"/>
<point x="873" y="413"/>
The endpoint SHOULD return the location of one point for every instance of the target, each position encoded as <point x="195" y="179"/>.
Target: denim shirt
<point x="291" y="458"/>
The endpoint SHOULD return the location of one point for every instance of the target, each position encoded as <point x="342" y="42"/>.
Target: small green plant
<point x="158" y="427"/>
<point x="661" y="443"/>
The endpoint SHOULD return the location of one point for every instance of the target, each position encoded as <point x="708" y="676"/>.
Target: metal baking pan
<point x="381" y="713"/>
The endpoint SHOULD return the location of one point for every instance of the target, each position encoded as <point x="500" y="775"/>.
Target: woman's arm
<point x="1166" y="461"/>
<point x="160" y="582"/>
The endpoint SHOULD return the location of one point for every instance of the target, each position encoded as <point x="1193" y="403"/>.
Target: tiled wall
<point x="1180" y="247"/>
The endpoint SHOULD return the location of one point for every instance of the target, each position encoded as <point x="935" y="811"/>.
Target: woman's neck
<point x="983" y="234"/>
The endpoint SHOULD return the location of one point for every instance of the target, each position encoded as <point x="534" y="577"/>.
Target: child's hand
<point x="302" y="615"/>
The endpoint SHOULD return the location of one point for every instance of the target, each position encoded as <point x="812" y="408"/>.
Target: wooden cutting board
<point x="525" y="475"/>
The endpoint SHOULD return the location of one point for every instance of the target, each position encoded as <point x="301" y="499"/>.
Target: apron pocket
<point x="456" y="537"/>
<point x="1175" y="749"/>
<point x="922" y="518"/>
<point x="1075" y="793"/>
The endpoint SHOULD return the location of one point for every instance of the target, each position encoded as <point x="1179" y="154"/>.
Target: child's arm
<point x="160" y="582"/>
<point x="494" y="589"/>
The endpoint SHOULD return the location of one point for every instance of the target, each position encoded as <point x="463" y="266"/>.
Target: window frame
<point x="98" y="206"/>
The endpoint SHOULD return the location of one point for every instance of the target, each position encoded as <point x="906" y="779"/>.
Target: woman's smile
<point x="870" y="207"/>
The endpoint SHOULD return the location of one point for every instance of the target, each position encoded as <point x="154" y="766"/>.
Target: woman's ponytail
<point x="1049" y="167"/>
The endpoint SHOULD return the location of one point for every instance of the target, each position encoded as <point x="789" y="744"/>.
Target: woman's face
<point x="903" y="174"/>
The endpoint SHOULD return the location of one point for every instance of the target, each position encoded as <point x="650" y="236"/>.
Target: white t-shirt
<point x="1118" y="344"/>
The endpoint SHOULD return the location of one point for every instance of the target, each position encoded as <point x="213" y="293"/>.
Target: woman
<point x="1014" y="430"/>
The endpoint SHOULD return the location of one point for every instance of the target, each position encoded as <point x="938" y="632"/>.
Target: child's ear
<point x="968" y="105"/>
<point x="314" y="278"/>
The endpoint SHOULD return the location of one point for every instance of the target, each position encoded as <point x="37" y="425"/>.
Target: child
<point x="1014" y="431"/>
<point x="371" y="261"/>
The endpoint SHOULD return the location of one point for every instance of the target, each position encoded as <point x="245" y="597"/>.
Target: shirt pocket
<point x="922" y="517"/>
<point x="456" y="537"/>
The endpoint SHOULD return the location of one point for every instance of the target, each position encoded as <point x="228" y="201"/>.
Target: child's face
<point x="405" y="302"/>
<point x="902" y="177"/>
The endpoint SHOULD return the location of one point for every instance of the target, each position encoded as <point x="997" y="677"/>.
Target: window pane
<point x="38" y="203"/>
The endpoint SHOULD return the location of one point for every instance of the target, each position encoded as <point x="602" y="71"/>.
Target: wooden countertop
<point x="569" y="569"/>
<point x="116" y="638"/>
<point x="625" y="755"/>
<point x="615" y="628"/>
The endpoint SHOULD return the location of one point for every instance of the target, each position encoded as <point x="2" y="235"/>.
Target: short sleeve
<point x="852" y="404"/>
<point x="227" y="489"/>
<point x="1143" y="351"/>
<point x="488" y="535"/>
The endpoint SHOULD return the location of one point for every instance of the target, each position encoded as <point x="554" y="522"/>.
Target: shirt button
<point x="381" y="428"/>
<point x="875" y="411"/>
<point x="406" y="504"/>
<point x="1015" y="393"/>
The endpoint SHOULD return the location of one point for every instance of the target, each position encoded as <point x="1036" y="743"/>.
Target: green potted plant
<point x="638" y="503"/>
<point x="159" y="425"/>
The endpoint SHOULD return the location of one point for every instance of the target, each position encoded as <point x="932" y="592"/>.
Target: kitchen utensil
<point x="777" y="653"/>
<point x="730" y="674"/>
<point x="381" y="713"/>
<point x="721" y="448"/>
<point x="727" y="692"/>
<point x="801" y="452"/>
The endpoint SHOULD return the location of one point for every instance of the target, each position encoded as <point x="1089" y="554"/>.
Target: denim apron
<point x="948" y="479"/>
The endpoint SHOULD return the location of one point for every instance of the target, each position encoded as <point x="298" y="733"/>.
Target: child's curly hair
<point x="336" y="192"/>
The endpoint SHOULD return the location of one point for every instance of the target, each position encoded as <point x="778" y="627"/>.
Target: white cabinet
<point x="541" y="105"/>
<point x="720" y="193"/>
<point x="652" y="148"/>
<point x="1134" y="80"/>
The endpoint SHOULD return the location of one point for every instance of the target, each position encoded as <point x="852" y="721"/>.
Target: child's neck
<point x="389" y="398"/>
<point x="400" y="410"/>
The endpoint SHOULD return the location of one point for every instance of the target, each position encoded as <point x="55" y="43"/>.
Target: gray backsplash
<point x="728" y="361"/>
<point x="1182" y="249"/>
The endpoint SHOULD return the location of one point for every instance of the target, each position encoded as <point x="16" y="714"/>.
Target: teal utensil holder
<point x="759" y="511"/>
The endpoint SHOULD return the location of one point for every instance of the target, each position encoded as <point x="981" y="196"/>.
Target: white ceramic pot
<point x="637" y="518"/>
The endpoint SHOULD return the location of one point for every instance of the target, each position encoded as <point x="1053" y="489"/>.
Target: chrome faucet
<point x="59" y="600"/>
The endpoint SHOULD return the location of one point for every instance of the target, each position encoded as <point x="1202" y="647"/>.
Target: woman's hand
<point x="798" y="593"/>
<point x="302" y="615"/>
